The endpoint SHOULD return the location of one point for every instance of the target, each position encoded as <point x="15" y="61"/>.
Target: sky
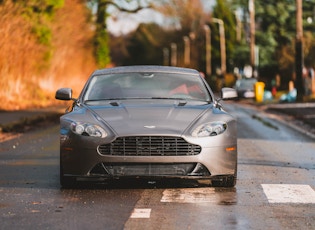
<point x="122" y="23"/>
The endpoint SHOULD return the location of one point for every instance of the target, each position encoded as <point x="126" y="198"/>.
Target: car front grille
<point x="149" y="146"/>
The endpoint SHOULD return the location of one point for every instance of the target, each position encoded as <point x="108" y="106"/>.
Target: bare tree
<point x="185" y="15"/>
<point x="101" y="36"/>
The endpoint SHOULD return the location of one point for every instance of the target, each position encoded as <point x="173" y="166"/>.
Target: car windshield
<point x="146" y="85"/>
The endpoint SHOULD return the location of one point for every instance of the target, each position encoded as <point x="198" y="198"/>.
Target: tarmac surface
<point x="300" y="116"/>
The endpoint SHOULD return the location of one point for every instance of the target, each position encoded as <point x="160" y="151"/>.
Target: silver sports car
<point x="147" y="122"/>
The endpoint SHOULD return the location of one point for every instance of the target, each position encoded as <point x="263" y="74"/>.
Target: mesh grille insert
<point x="149" y="146"/>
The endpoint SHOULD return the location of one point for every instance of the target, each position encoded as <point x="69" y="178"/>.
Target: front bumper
<point x="80" y="158"/>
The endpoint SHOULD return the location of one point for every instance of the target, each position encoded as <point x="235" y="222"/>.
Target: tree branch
<point x="127" y="10"/>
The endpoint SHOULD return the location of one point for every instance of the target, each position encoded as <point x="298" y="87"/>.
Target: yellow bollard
<point x="259" y="91"/>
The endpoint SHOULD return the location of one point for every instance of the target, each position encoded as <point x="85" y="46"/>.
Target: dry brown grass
<point x="25" y="79"/>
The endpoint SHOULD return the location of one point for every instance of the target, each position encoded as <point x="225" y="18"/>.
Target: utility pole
<point x="299" y="52"/>
<point x="251" y="8"/>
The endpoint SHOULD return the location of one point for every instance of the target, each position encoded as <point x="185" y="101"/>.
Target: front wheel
<point x="224" y="181"/>
<point x="66" y="182"/>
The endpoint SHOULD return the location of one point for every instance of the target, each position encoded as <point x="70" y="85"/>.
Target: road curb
<point x="21" y="121"/>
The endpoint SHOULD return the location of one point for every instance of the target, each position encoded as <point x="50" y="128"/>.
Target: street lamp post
<point x="238" y="27"/>
<point x="299" y="52"/>
<point x="251" y="7"/>
<point x="208" y="49"/>
<point x="222" y="43"/>
<point x="186" y="51"/>
<point x="193" y="50"/>
<point x="166" y="55"/>
<point x="173" y="54"/>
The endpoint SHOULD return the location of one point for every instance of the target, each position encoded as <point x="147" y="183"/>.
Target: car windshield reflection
<point x="145" y="86"/>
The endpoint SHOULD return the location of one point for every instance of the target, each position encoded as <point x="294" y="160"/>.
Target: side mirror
<point x="64" y="94"/>
<point x="228" y="93"/>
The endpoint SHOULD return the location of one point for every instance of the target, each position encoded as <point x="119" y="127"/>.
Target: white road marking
<point x="141" y="213"/>
<point x="289" y="193"/>
<point x="190" y="195"/>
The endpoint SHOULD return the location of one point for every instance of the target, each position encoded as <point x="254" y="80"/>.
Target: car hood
<point x="149" y="119"/>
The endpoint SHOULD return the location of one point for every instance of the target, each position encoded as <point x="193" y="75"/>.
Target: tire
<point x="224" y="181"/>
<point x="228" y="181"/>
<point x="67" y="182"/>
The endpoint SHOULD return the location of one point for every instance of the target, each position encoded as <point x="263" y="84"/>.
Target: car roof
<point x="146" y="68"/>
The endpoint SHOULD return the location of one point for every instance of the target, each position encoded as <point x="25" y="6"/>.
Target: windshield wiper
<point x="181" y="101"/>
<point x="105" y="99"/>
<point x="116" y="99"/>
<point x="167" y="98"/>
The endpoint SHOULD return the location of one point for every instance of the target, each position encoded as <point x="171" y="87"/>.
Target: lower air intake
<point x="147" y="169"/>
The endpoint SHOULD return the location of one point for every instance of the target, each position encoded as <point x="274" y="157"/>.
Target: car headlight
<point x="210" y="129"/>
<point x="86" y="129"/>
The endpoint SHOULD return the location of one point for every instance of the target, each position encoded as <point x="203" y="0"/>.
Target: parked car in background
<point x="147" y="122"/>
<point x="245" y="87"/>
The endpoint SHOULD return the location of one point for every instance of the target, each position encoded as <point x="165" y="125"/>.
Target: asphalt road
<point x="275" y="186"/>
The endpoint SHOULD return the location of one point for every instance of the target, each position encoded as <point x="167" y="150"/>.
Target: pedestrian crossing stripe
<point x="189" y="195"/>
<point x="141" y="213"/>
<point x="275" y="193"/>
<point x="289" y="193"/>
